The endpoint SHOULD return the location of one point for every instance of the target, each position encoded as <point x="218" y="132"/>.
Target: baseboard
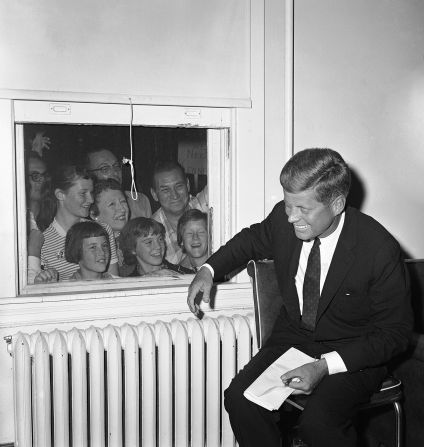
<point x="9" y="444"/>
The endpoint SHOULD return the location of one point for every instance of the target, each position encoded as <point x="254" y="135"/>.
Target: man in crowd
<point x="103" y="164"/>
<point x="345" y="302"/>
<point x="171" y="188"/>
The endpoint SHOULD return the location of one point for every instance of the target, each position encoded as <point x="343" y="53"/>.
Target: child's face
<point x="150" y="251"/>
<point x="95" y="254"/>
<point x="195" y="238"/>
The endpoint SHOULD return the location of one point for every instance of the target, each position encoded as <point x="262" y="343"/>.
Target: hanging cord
<point x="129" y="161"/>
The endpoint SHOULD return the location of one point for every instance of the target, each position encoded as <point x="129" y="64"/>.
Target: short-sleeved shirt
<point x="140" y="207"/>
<point x="53" y="250"/>
<point x="174" y="253"/>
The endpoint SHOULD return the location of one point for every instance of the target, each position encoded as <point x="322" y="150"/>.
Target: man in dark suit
<point x="345" y="295"/>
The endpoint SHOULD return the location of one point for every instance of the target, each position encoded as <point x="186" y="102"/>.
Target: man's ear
<point x="154" y="195"/>
<point x="59" y="194"/>
<point x="188" y="185"/>
<point x="338" y="204"/>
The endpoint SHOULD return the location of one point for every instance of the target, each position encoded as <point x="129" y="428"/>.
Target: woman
<point x="110" y="207"/>
<point x="40" y="209"/>
<point x="72" y="188"/>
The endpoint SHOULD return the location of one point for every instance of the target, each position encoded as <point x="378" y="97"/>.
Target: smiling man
<point x="345" y="302"/>
<point x="171" y="188"/>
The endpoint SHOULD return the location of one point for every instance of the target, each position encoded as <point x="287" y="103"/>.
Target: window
<point x="197" y="138"/>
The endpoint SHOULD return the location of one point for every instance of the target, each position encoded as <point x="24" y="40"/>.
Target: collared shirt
<point x="174" y="253"/>
<point x="327" y="247"/>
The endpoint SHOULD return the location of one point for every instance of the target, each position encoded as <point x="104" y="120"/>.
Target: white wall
<point x="359" y="88"/>
<point x="187" y="49"/>
<point x="254" y="171"/>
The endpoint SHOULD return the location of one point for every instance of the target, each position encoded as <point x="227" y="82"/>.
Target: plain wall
<point x="359" y="89"/>
<point x="243" y="60"/>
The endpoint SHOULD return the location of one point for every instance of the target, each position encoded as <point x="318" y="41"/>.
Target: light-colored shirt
<point x="140" y="207"/>
<point x="174" y="253"/>
<point x="53" y="250"/>
<point x="327" y="247"/>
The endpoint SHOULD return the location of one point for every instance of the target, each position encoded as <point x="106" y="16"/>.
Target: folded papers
<point x="268" y="390"/>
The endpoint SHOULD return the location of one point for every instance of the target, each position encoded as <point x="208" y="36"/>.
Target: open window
<point x="197" y="138"/>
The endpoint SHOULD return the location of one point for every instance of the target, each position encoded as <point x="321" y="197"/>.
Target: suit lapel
<point x="341" y="263"/>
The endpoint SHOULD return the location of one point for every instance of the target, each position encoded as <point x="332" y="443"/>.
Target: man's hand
<point x="305" y="378"/>
<point x="202" y="282"/>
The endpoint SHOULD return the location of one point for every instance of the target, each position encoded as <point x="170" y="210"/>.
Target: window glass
<point x="79" y="192"/>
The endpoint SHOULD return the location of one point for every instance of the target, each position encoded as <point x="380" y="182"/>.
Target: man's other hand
<point x="305" y="378"/>
<point x="202" y="282"/>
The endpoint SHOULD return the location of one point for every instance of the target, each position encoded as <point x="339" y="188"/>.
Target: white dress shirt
<point x="327" y="247"/>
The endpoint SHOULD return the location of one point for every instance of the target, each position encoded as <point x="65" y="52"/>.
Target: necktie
<point x="311" y="292"/>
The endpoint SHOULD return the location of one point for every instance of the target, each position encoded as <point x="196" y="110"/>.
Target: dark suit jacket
<point x="364" y="310"/>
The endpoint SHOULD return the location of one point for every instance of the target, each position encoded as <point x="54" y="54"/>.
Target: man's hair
<point x="102" y="186"/>
<point x="190" y="215"/>
<point x="133" y="229"/>
<point x="165" y="166"/>
<point x="75" y="236"/>
<point x="322" y="170"/>
<point x="85" y="160"/>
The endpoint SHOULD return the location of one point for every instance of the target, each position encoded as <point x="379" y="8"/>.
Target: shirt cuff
<point x="335" y="363"/>
<point x="209" y="268"/>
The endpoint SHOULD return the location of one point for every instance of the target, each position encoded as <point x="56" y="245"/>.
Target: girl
<point x="72" y="188"/>
<point x="143" y="247"/>
<point x="193" y="237"/>
<point x="87" y="244"/>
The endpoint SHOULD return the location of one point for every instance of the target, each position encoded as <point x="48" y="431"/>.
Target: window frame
<point x="219" y="123"/>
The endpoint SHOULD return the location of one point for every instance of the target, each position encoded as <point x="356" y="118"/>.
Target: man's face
<point x="149" y="251"/>
<point x="103" y="164"/>
<point x="309" y="217"/>
<point x="171" y="191"/>
<point x="95" y="254"/>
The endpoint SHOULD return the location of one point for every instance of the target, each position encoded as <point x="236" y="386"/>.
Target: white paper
<point x="268" y="390"/>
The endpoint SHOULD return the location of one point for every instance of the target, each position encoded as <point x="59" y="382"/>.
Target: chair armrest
<point x="417" y="343"/>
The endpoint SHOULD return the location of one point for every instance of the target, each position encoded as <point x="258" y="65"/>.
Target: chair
<point x="267" y="303"/>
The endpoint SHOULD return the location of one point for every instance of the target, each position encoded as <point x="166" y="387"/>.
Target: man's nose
<point x="293" y="216"/>
<point x="174" y="193"/>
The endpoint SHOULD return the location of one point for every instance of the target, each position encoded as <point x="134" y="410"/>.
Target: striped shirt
<point x="53" y="250"/>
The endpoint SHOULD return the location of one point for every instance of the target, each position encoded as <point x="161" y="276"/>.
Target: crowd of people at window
<point x="82" y="225"/>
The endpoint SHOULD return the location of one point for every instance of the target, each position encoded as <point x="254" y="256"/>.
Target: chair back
<point x="267" y="298"/>
<point x="415" y="268"/>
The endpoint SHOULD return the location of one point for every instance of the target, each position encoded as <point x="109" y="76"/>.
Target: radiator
<point x="147" y="385"/>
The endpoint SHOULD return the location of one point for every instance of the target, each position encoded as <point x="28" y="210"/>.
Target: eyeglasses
<point x="38" y="177"/>
<point x="108" y="169"/>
